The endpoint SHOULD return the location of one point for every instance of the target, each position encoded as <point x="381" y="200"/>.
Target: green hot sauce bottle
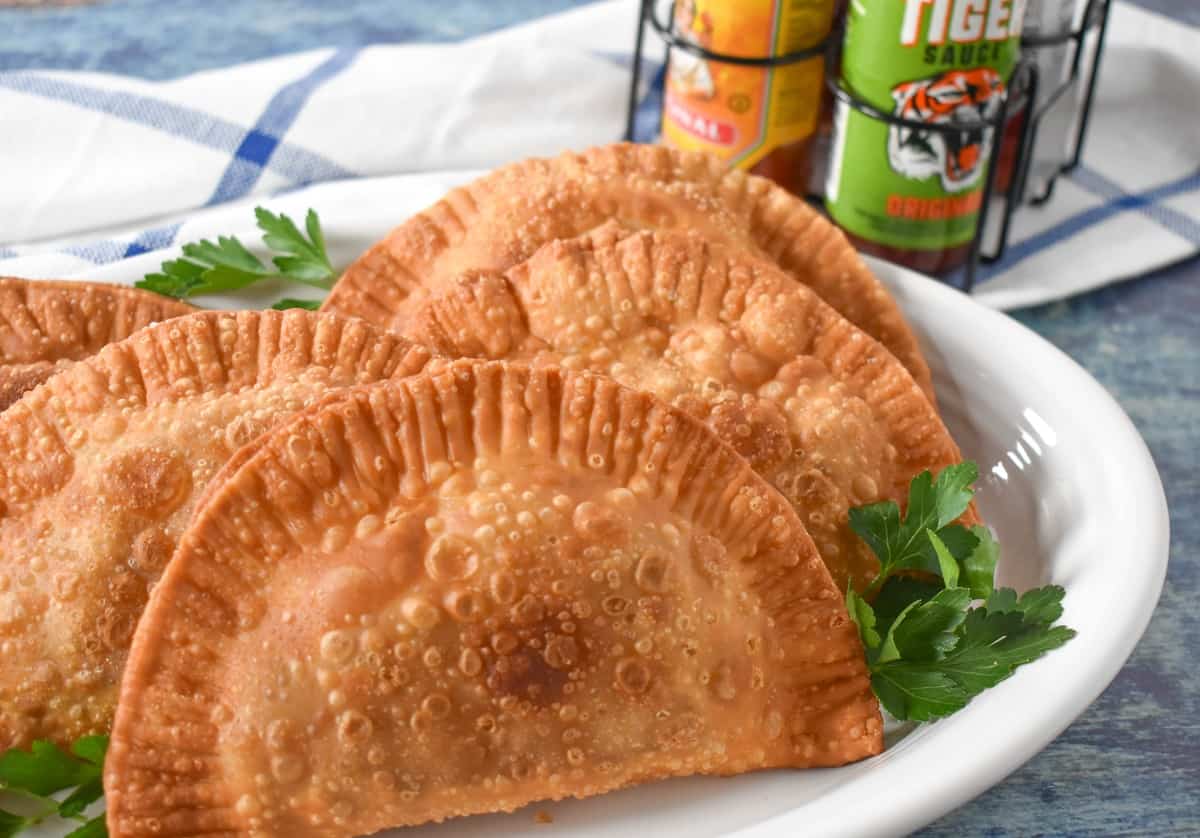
<point x="909" y="195"/>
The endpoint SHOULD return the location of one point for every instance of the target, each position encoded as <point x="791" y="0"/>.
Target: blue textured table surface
<point x="1131" y="764"/>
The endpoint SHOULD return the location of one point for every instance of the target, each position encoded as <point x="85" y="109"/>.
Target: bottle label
<point x="742" y="113"/>
<point x="936" y="62"/>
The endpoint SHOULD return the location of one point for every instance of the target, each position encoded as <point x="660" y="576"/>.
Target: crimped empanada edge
<point x="25" y="306"/>
<point x="793" y="233"/>
<point x="203" y="352"/>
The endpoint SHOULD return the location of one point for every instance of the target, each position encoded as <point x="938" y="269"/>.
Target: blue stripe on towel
<point x="99" y="252"/>
<point x="262" y="142"/>
<point x="156" y="238"/>
<point x="103" y="251"/>
<point x="296" y="164"/>
<point x="1174" y="220"/>
<point x="1146" y="202"/>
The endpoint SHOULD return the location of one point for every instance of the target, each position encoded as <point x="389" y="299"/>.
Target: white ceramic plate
<point x="1067" y="484"/>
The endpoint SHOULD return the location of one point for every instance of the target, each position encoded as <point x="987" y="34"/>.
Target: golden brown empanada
<point x="100" y="469"/>
<point x="471" y="589"/>
<point x="502" y="218"/>
<point x="45" y="323"/>
<point x="821" y="410"/>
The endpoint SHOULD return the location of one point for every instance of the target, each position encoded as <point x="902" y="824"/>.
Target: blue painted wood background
<point x="1131" y="764"/>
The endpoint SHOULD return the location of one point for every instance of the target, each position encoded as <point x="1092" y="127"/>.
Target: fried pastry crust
<point x="46" y="322"/>
<point x="467" y="590"/>
<point x="502" y="218"/>
<point x="821" y="410"/>
<point x="18" y="379"/>
<point x="100" y="469"/>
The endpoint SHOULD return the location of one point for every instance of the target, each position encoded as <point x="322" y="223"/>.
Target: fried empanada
<point x="100" y="469"/>
<point x="818" y="408"/>
<point x="470" y="589"/>
<point x="502" y="218"/>
<point x="46" y="323"/>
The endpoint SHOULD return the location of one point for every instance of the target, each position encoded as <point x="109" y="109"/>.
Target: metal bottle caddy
<point x="1022" y="89"/>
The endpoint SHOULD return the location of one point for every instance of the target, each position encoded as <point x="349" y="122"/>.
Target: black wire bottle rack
<point x="1023" y="91"/>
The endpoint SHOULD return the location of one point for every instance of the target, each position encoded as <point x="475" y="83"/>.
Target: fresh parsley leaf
<point x="1041" y="606"/>
<point x="91" y="749"/>
<point x="979" y="567"/>
<point x="929" y="651"/>
<point x="43" y="770"/>
<point x="228" y="265"/>
<point x="11" y="824"/>
<point x="952" y="491"/>
<point x="916" y="693"/>
<point x="292" y="302"/>
<point x="989" y="648"/>
<point x="959" y="542"/>
<point x="95" y="828"/>
<point x="46" y="769"/>
<point x="901" y="543"/>
<point x="925" y="631"/>
<point x="946" y="562"/>
<point x="992" y="646"/>
<point x="864" y="617"/>
<point x="305" y="259"/>
<point x="77" y="801"/>
<point x="878" y="524"/>
<point x="887" y="649"/>
<point x="1001" y="600"/>
<point x="897" y="594"/>
<point x="209" y="267"/>
<point x="179" y="278"/>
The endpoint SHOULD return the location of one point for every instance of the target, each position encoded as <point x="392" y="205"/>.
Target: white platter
<point x="1067" y="484"/>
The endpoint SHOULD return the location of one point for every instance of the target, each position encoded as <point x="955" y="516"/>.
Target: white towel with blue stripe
<point x="104" y="176"/>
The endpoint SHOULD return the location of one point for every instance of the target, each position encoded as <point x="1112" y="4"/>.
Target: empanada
<point x="100" y="469"/>
<point x="45" y="323"/>
<point x="821" y="410"/>
<point x="471" y="589"/>
<point x="502" y="218"/>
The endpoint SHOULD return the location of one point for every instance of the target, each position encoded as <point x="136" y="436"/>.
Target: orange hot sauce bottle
<point x="755" y="117"/>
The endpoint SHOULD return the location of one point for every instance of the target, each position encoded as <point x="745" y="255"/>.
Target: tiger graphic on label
<point x="953" y="97"/>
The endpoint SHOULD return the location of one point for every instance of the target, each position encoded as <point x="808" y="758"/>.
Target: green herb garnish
<point x="292" y="302"/>
<point x="46" y="769"/>
<point x="930" y="647"/>
<point x="208" y="267"/>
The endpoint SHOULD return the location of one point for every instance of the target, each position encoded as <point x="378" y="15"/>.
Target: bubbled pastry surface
<point x="468" y="590"/>
<point x="820" y="409"/>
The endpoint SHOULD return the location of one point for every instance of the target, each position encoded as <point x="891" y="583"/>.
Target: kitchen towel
<point x="105" y="176"/>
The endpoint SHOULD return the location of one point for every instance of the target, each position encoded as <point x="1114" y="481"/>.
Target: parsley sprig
<point x="209" y="267"/>
<point x="45" y="770"/>
<point x="930" y="648"/>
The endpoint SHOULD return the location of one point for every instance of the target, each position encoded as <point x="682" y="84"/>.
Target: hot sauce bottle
<point x="903" y="193"/>
<point x="1049" y="19"/>
<point x="758" y="118"/>
<point x="1043" y="18"/>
